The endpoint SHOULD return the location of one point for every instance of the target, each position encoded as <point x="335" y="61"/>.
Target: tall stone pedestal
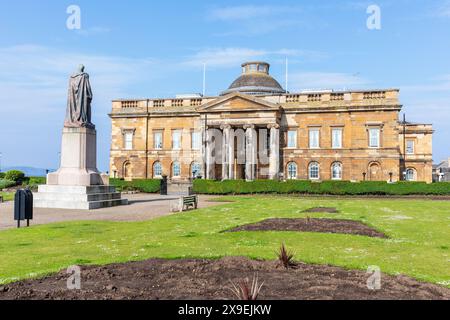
<point x="78" y="159"/>
<point x="77" y="184"/>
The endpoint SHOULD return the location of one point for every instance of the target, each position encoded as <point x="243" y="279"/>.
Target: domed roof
<point x="255" y="79"/>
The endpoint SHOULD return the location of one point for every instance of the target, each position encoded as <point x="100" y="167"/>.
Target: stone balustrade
<point x="339" y="98"/>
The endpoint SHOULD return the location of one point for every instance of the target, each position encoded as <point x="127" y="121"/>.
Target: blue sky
<point x="135" y="49"/>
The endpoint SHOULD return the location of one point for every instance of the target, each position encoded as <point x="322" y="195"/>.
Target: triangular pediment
<point x="238" y="102"/>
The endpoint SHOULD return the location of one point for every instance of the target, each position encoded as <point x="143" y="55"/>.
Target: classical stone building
<point x="257" y="130"/>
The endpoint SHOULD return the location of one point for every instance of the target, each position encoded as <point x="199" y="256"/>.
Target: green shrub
<point x="15" y="175"/>
<point x="35" y="181"/>
<point x="6" y="184"/>
<point x="326" y="187"/>
<point x="142" y="185"/>
<point x="2" y="175"/>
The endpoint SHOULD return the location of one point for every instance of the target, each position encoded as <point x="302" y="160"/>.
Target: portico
<point x="242" y="138"/>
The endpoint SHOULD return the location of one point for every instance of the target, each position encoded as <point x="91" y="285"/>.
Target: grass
<point x="418" y="245"/>
<point x="7" y="196"/>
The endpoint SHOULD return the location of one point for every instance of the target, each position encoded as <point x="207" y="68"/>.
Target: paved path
<point x="142" y="207"/>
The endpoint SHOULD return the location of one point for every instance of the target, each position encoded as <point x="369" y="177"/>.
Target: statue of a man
<point x="79" y="101"/>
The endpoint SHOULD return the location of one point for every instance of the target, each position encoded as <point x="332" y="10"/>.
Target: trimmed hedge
<point x="147" y="186"/>
<point x="326" y="187"/>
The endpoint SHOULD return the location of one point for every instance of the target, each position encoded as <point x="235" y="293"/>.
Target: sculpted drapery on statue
<point x="79" y="101"/>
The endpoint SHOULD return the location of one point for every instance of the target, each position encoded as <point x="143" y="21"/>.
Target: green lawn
<point x="7" y="196"/>
<point x="419" y="244"/>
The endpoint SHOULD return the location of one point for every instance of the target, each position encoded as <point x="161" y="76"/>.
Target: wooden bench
<point x="189" y="202"/>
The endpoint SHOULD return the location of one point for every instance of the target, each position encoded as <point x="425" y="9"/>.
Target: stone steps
<point x="77" y="197"/>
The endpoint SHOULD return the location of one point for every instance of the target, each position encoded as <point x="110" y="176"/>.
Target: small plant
<point x="285" y="257"/>
<point x="308" y="219"/>
<point x="246" y="292"/>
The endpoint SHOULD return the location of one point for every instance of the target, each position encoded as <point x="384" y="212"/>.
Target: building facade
<point x="441" y="171"/>
<point x="257" y="130"/>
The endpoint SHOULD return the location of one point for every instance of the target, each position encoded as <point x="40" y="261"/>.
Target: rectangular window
<point x="128" y="137"/>
<point x="409" y="147"/>
<point x="314" y="138"/>
<point x="158" y="140"/>
<point x="196" y="139"/>
<point x="374" y="138"/>
<point x="292" y="139"/>
<point x="337" y="138"/>
<point x="176" y="140"/>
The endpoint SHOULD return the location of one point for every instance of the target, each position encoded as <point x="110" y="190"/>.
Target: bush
<point x="15" y="175"/>
<point x="326" y="187"/>
<point x="142" y="185"/>
<point x="6" y="184"/>
<point x="2" y="175"/>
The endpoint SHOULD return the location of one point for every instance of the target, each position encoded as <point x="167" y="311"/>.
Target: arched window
<point x="196" y="170"/>
<point x="336" y="171"/>
<point x="410" y="175"/>
<point x="314" y="171"/>
<point x="292" y="170"/>
<point x="157" y="170"/>
<point x="176" y="169"/>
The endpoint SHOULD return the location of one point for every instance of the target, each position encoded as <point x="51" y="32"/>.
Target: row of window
<point x="314" y="139"/>
<point x="158" y="140"/>
<point x="196" y="170"/>
<point x="336" y="138"/>
<point x="336" y="171"/>
<point x="314" y="171"/>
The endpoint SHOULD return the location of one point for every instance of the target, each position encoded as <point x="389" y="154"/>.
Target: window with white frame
<point x="336" y="138"/>
<point x="374" y="137"/>
<point x="196" y="170"/>
<point x="313" y="170"/>
<point x="176" y="139"/>
<point x="128" y="139"/>
<point x="292" y="170"/>
<point x="157" y="170"/>
<point x="410" y="175"/>
<point x="196" y="138"/>
<point x="410" y="146"/>
<point x="336" y="171"/>
<point x="314" y="138"/>
<point x="292" y="139"/>
<point x="158" y="140"/>
<point x="176" y="169"/>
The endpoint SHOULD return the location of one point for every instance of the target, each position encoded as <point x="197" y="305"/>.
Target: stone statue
<point x="79" y="100"/>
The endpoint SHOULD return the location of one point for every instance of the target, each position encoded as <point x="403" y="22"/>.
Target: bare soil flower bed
<point x="210" y="279"/>
<point x="313" y="225"/>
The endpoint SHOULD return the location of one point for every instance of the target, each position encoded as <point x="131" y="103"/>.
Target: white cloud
<point x="223" y="57"/>
<point x="251" y="20"/>
<point x="325" y="80"/>
<point x="233" y="57"/>
<point x="247" y="12"/>
<point x="444" y="9"/>
<point x="93" y="31"/>
<point x="437" y="84"/>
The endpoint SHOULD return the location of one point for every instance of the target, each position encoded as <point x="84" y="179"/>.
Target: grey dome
<point x="255" y="80"/>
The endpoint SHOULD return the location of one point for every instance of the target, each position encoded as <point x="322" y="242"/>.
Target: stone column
<point x="251" y="150"/>
<point x="210" y="161"/>
<point x="226" y="128"/>
<point x="274" y="157"/>
<point x="231" y="155"/>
